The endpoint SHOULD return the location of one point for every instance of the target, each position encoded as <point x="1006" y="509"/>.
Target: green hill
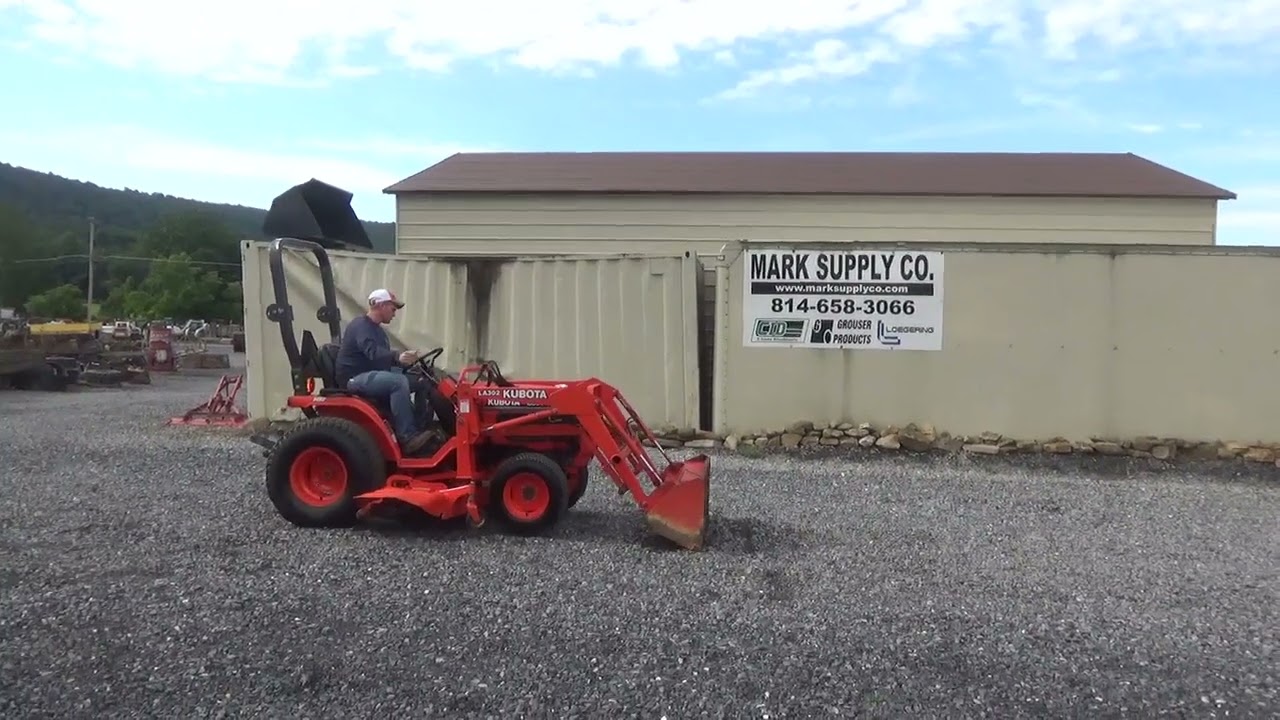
<point x="59" y="204"/>
<point x="155" y="255"/>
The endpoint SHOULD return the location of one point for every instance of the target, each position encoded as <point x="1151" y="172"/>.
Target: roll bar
<point x="281" y="311"/>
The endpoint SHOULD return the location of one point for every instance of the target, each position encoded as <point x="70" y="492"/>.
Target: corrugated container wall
<point x="435" y="312"/>
<point x="629" y="321"/>
<point x="1040" y="342"/>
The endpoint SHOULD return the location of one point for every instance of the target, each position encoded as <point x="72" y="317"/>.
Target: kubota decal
<point x="510" y="396"/>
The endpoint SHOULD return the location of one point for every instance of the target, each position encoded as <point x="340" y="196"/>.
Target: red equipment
<point x="517" y="450"/>
<point x="220" y="410"/>
<point x="160" y="355"/>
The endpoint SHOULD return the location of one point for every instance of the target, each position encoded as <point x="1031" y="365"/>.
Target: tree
<point x="198" y="234"/>
<point x="63" y="302"/>
<point x="123" y="299"/>
<point x="46" y="223"/>
<point x="175" y="288"/>
<point x="232" y="307"/>
<point x="20" y="239"/>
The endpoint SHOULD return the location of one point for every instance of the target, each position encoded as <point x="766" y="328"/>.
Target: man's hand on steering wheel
<point x="426" y="363"/>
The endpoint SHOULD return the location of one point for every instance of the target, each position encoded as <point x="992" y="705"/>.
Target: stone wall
<point x="925" y="438"/>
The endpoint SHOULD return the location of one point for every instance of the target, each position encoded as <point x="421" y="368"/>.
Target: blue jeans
<point x="409" y="409"/>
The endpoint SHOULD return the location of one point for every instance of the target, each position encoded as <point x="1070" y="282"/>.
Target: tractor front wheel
<point x="316" y="470"/>
<point x="578" y="482"/>
<point x="529" y="492"/>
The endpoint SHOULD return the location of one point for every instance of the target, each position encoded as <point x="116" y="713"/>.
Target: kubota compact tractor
<point x="515" y="450"/>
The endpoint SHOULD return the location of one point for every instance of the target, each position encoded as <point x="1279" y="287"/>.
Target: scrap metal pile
<point x="54" y="356"/>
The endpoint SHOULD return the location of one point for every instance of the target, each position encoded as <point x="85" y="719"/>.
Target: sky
<point x="236" y="101"/>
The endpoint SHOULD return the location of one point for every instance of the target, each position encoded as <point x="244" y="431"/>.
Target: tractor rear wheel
<point x="317" y="469"/>
<point x="529" y="492"/>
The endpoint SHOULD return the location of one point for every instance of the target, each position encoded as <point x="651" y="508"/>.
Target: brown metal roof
<point x="844" y="173"/>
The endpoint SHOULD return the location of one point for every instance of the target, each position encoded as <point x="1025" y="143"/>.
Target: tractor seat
<point x="322" y="361"/>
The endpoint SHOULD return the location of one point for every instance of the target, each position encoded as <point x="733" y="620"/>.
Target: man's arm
<point x="382" y="358"/>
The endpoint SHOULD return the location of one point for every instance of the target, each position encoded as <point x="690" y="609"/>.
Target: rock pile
<point x="925" y="438"/>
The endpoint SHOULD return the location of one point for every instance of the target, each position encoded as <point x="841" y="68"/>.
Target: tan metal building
<point x="504" y="203"/>
<point x="507" y="204"/>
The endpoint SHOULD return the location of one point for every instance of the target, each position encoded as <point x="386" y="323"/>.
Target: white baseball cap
<point x="382" y="295"/>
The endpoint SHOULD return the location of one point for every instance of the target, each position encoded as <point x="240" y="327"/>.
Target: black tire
<point x="57" y="379"/>
<point x="581" y="488"/>
<point x="553" y="483"/>
<point x="42" y="378"/>
<point x="338" y="441"/>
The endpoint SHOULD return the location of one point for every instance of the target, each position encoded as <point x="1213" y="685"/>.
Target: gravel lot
<point x="144" y="573"/>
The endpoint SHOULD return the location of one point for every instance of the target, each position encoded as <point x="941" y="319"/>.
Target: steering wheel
<point x="427" y="363"/>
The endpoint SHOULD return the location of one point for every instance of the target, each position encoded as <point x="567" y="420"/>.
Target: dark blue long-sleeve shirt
<point x="365" y="346"/>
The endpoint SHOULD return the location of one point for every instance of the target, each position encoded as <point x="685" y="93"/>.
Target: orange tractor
<point x="518" y="451"/>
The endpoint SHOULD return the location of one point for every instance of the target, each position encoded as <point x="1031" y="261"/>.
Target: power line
<point x="122" y="257"/>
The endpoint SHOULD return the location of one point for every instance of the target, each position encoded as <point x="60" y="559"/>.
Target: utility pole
<point x="88" y="308"/>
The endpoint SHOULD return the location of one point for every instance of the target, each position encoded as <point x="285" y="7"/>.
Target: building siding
<point x="503" y="223"/>
<point x="539" y="224"/>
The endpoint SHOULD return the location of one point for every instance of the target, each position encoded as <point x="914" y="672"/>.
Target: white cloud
<point x="1062" y="107"/>
<point x="1167" y="24"/>
<point x="281" y="40"/>
<point x="1254" y="216"/>
<point x="145" y="149"/>
<point x="263" y="40"/>
<point x="146" y="160"/>
<point x="1150" y="128"/>
<point x="906" y="93"/>
<point x="394" y="148"/>
<point x="826" y="59"/>
<point x="1244" y="148"/>
<point x="1264" y="193"/>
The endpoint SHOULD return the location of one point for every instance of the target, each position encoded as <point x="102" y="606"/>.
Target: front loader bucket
<point x="319" y="212"/>
<point x="678" y="509"/>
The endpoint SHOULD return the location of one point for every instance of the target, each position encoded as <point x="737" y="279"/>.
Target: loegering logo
<point x="884" y="336"/>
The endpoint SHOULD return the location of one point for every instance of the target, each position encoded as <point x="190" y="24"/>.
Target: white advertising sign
<point x="865" y="299"/>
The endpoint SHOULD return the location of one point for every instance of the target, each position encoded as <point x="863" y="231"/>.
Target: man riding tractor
<point x="367" y="365"/>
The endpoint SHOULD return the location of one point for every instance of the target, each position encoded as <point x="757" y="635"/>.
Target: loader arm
<point x="675" y="498"/>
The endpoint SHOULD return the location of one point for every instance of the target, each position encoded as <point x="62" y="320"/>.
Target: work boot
<point x="420" y="441"/>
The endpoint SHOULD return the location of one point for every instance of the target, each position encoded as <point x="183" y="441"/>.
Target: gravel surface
<point x="144" y="573"/>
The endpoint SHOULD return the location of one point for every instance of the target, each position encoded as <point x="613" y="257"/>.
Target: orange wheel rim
<point x="318" y="477"/>
<point x="526" y="496"/>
